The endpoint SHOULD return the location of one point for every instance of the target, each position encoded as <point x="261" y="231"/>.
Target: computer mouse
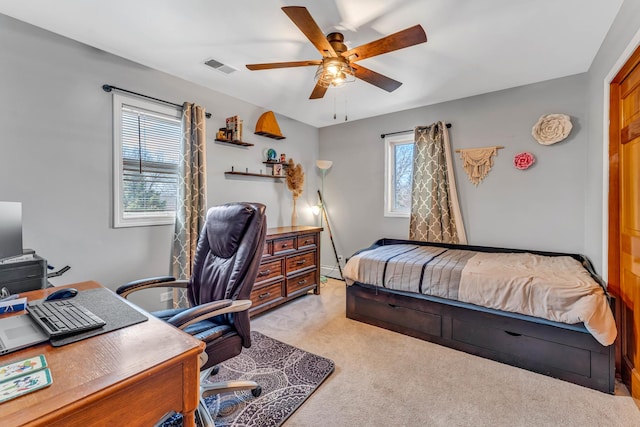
<point x="62" y="294"/>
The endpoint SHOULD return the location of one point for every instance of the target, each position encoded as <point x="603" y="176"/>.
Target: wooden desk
<point x="132" y="376"/>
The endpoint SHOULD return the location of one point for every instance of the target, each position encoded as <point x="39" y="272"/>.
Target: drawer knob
<point x="302" y="282"/>
<point x="264" y="273"/>
<point x="306" y="241"/>
<point x="302" y="261"/>
<point x="284" y="245"/>
<point x="266" y="294"/>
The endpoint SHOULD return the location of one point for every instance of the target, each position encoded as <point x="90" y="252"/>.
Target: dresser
<point x="289" y="267"/>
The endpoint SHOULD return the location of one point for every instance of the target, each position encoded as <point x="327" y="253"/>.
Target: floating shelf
<point x="255" y="174"/>
<point x="284" y="164"/>
<point x="235" y="142"/>
<point x="267" y="125"/>
<point x="270" y="135"/>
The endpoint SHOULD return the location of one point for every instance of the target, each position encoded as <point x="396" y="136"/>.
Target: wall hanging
<point x="477" y="162"/>
<point x="523" y="160"/>
<point x="552" y="128"/>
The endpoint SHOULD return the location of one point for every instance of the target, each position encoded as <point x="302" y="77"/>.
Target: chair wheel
<point x="256" y="392"/>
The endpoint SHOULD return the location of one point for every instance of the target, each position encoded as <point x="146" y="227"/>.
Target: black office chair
<point x="224" y="271"/>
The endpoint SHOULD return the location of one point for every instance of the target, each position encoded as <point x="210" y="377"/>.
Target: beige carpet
<point x="386" y="379"/>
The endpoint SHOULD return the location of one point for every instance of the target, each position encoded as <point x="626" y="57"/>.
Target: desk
<point x="123" y="377"/>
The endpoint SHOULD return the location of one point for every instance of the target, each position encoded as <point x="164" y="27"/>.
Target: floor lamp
<point x="323" y="165"/>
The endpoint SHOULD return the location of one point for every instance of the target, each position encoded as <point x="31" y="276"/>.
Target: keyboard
<point x="64" y="317"/>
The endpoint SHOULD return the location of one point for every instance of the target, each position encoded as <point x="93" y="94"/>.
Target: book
<point x="24" y="376"/>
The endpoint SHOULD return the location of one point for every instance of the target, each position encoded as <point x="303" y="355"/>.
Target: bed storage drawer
<point x="404" y="317"/>
<point x="395" y="315"/>
<point x="568" y="353"/>
<point x="511" y="344"/>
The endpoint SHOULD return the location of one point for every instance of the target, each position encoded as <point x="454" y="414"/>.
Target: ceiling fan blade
<point x="318" y="92"/>
<point x="405" y="38"/>
<point x="302" y="18"/>
<point x="376" y="79"/>
<point x="254" y="67"/>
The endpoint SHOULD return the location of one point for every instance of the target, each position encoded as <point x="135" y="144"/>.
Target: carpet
<point x="287" y="375"/>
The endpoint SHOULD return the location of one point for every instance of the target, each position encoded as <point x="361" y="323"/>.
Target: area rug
<point x="287" y="375"/>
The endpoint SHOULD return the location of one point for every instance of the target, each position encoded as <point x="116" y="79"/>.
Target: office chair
<point x="225" y="268"/>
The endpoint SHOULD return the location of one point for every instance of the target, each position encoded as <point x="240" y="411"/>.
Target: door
<point x="624" y="217"/>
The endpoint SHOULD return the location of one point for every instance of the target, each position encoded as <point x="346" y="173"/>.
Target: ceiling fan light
<point x="334" y="72"/>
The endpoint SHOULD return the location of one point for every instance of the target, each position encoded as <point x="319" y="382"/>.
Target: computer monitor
<point x="10" y="229"/>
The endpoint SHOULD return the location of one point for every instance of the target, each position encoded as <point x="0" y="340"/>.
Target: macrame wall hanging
<point x="477" y="162"/>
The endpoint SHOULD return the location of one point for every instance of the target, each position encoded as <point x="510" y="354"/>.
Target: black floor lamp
<point x="323" y="165"/>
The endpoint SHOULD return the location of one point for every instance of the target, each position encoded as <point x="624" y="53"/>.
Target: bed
<point x="546" y="312"/>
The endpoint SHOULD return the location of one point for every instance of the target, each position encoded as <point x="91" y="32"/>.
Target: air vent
<point x="227" y="69"/>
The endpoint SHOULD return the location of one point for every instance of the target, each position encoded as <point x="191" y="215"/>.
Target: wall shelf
<point x="270" y="135"/>
<point x="235" y="142"/>
<point x="255" y="174"/>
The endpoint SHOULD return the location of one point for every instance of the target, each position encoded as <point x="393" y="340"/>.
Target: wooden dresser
<point x="290" y="266"/>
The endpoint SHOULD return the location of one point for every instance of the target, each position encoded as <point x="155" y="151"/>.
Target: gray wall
<point x="56" y="145"/>
<point x="540" y="208"/>
<point x="622" y="32"/>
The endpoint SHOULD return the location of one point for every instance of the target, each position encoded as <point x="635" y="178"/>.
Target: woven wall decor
<point x="477" y="162"/>
<point x="552" y="128"/>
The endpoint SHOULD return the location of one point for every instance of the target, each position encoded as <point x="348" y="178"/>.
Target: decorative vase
<point x="294" y="214"/>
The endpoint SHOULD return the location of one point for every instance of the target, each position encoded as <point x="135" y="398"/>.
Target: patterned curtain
<point x="435" y="211"/>
<point x="192" y="193"/>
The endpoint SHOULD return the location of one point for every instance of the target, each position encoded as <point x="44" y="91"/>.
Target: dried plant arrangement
<point x="295" y="183"/>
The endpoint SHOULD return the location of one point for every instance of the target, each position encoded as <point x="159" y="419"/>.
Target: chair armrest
<point x="207" y="311"/>
<point x="152" y="282"/>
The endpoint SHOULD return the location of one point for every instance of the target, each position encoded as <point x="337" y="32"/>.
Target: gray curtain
<point x="435" y="211"/>
<point x="192" y="194"/>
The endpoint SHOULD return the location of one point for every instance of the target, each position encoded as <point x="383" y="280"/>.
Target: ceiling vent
<point x="227" y="69"/>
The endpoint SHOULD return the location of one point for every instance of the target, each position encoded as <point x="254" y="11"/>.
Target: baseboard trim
<point x="330" y="271"/>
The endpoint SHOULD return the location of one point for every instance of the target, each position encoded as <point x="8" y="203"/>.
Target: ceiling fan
<point x="338" y="62"/>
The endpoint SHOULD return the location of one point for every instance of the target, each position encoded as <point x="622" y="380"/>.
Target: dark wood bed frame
<point x="567" y="352"/>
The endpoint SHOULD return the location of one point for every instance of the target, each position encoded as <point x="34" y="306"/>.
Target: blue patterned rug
<point x="286" y="374"/>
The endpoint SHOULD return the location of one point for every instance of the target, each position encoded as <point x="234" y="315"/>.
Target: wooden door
<point x="624" y="217"/>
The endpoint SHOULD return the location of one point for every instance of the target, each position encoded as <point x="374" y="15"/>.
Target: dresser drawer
<point x="307" y="241"/>
<point x="283" y="245"/>
<point x="300" y="282"/>
<point x="266" y="294"/>
<point x="269" y="270"/>
<point x="300" y="262"/>
<point x="267" y="249"/>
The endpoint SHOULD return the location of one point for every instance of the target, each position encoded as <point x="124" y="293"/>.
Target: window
<point x="146" y="153"/>
<point x="398" y="175"/>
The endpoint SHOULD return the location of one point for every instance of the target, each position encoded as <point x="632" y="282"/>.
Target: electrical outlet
<point x="166" y="296"/>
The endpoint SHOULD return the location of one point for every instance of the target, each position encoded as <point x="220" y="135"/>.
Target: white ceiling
<point x="473" y="47"/>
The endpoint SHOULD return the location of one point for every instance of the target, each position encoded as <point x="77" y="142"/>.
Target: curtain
<point x="435" y="211"/>
<point x="192" y="192"/>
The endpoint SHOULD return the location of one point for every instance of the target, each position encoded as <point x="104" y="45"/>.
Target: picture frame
<point x="277" y="170"/>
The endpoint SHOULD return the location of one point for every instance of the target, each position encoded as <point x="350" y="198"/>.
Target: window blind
<point x="150" y="159"/>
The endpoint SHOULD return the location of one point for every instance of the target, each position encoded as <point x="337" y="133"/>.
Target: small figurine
<point x="283" y="157"/>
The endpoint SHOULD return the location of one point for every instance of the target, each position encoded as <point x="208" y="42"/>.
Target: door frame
<point x="631" y="47"/>
<point x="612" y="253"/>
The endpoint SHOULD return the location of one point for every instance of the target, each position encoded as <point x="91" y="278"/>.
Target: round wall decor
<point x="552" y="128"/>
<point x="523" y="160"/>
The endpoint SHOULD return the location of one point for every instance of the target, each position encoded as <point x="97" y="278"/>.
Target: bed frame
<point x="567" y="352"/>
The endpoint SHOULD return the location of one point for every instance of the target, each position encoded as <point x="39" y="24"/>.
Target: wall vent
<point x="227" y="69"/>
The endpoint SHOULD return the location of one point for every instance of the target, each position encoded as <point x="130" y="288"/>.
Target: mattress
<point x="556" y="288"/>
